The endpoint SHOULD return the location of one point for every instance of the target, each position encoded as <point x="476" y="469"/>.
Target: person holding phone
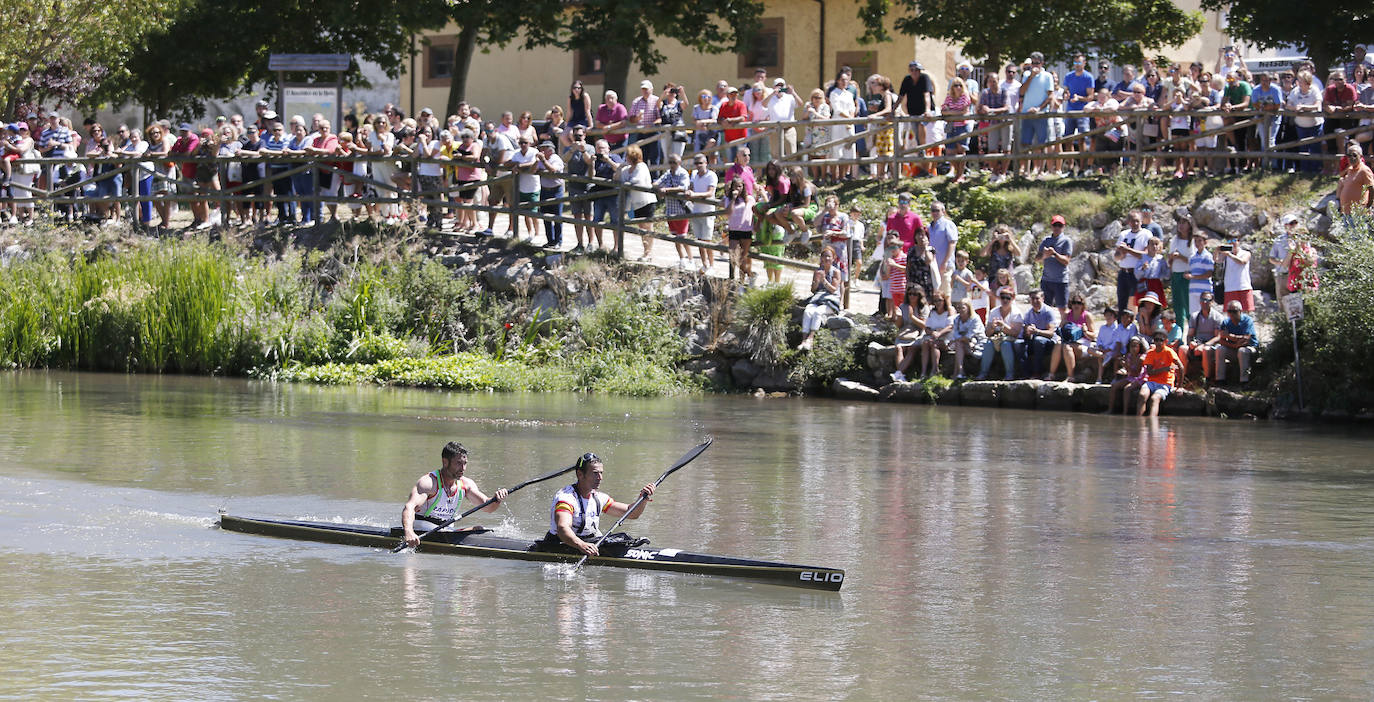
<point x="1237" y="278"/>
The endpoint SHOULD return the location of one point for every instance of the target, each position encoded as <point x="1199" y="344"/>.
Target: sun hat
<point x="1149" y="297"/>
<point x="646" y="84"/>
<point x="1288" y="219"/>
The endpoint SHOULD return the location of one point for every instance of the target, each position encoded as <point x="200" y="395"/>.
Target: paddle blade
<point x="686" y="458"/>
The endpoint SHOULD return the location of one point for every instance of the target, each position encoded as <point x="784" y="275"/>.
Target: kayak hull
<point x="483" y="543"/>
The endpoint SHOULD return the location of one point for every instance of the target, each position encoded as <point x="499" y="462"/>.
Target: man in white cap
<point x="644" y="113"/>
<point x="1279" y="251"/>
<point x="964" y="72"/>
<point x="732" y="112"/>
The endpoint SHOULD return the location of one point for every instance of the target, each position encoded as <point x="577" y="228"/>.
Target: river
<point x="990" y="554"/>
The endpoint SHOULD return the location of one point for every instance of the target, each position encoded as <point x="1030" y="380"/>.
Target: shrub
<point x="1336" y="335"/>
<point x="766" y="315"/>
<point x="1128" y="192"/>
<point x="982" y="204"/>
<point x="829" y="358"/>
<point x="436" y="305"/>
<point x="631" y="323"/>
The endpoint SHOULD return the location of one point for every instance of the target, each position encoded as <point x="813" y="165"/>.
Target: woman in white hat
<point x="1147" y="313"/>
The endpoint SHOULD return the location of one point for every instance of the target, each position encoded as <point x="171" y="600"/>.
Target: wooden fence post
<point x="1016" y="149"/>
<point x="619" y="219"/>
<point x="895" y="164"/>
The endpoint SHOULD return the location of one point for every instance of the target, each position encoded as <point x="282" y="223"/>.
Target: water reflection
<point x="990" y="554"/>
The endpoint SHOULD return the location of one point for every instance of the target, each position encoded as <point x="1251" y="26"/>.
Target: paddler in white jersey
<point x="577" y="509"/>
<point x="437" y="495"/>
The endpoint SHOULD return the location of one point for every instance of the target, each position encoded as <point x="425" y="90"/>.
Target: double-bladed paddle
<point x="686" y="458"/>
<point x="531" y="481"/>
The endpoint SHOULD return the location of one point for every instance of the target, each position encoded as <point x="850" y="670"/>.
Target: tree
<point x="1327" y="30"/>
<point x="220" y="48"/>
<point x="628" y="31"/>
<point x="50" y="49"/>
<point x="489" y="23"/>
<point x="1012" y="29"/>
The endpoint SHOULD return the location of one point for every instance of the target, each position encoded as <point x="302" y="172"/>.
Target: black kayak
<point x="478" y="542"/>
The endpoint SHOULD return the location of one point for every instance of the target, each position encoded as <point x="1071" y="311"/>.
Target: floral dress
<point x="816" y="131"/>
<point x="882" y="138"/>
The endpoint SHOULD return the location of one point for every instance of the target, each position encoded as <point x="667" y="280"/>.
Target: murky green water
<point x="990" y="554"/>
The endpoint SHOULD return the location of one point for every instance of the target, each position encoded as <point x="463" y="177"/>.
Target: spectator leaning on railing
<point x="1025" y="102"/>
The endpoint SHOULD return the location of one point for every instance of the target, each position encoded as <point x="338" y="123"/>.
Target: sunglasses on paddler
<point x="587" y="458"/>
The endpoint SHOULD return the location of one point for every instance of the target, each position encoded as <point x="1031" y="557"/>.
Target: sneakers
<point x="486" y="232"/>
<point x="899" y="376"/>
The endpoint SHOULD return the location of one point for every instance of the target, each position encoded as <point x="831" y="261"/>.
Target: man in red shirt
<point x="1337" y="101"/>
<point x="905" y="222"/>
<point x="1160" y="362"/>
<point x="610" y="116"/>
<point x="326" y="144"/>
<point x="185" y="145"/>
<point x="733" y="112"/>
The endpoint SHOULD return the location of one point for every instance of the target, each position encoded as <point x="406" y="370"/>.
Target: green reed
<point x="163" y="308"/>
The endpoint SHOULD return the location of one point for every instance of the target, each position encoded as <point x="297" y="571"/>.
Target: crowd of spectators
<point x="717" y="122"/>
<point x="1183" y="309"/>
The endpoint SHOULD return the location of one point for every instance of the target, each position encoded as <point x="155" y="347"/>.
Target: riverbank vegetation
<point x="1336" y="334"/>
<point x="198" y="307"/>
<point x="360" y="305"/>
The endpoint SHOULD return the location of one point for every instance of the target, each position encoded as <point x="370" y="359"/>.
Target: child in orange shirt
<point x="1159" y="363"/>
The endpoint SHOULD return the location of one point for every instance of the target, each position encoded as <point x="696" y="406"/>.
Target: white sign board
<point x="1292" y="304"/>
<point x="307" y="100"/>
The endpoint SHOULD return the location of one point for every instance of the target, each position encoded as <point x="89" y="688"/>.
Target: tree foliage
<point x="52" y="50"/>
<point x="220" y="48"/>
<point x="1326" y="30"/>
<point x="1000" y="29"/>
<point x="490" y="23"/>
<point x="626" y="32"/>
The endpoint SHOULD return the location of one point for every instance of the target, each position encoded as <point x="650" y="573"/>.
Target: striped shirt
<point x="896" y="278"/>
<point x="1201" y="263"/>
<point x="54" y="136"/>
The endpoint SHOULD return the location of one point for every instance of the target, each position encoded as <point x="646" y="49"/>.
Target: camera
<point x="1226" y="247"/>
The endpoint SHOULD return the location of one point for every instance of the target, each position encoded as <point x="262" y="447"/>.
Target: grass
<point x="197" y="307"/>
<point x="766" y="315"/>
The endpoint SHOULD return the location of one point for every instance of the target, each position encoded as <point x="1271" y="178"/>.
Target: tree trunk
<point x="462" y="62"/>
<point x="615" y="63"/>
<point x="1322" y="58"/>
<point x="992" y="65"/>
